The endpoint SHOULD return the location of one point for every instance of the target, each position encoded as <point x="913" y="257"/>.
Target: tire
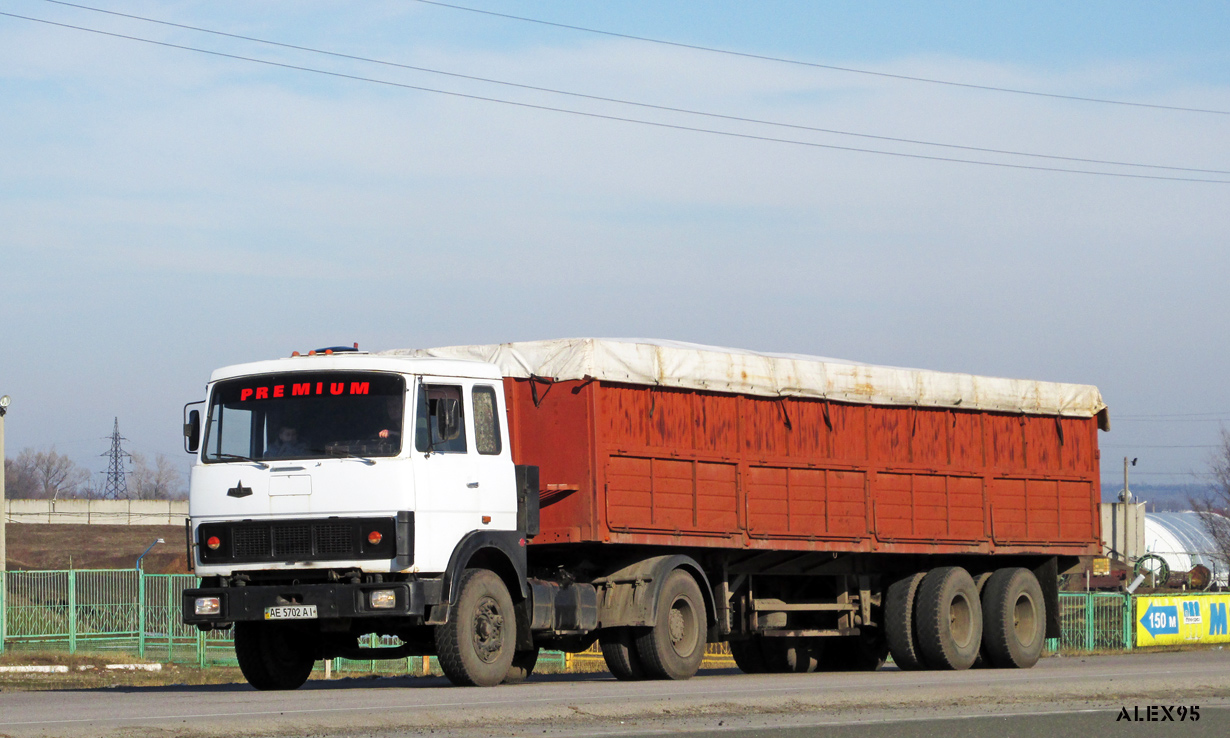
<point x="899" y="630"/>
<point x="949" y="619"/>
<point x="674" y="647"/>
<point x="790" y="655"/>
<point x="476" y="646"/>
<point x="1014" y="619"/>
<point x="748" y="655"/>
<point x="980" y="583"/>
<point x="854" y="653"/>
<point x="273" y="656"/>
<point x="522" y="667"/>
<point x="619" y="652"/>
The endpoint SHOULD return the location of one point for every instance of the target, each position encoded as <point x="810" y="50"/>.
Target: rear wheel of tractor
<point x="790" y="654"/>
<point x="748" y="655"/>
<point x="272" y="656"/>
<point x="523" y="664"/>
<point x="476" y="646"/>
<point x="674" y="647"/>
<point x="619" y="652"/>
<point x="949" y="619"/>
<point x="899" y="631"/>
<point x="1014" y="619"/>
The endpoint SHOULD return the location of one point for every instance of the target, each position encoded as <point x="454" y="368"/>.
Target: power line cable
<point x="1134" y="445"/>
<point x="832" y="67"/>
<point x="1172" y="420"/>
<point x="667" y="108"/>
<point x="601" y="116"/>
<point x="1222" y="413"/>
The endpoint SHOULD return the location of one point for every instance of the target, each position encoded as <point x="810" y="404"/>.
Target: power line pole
<point x="116" y="485"/>
<point x="4" y="408"/>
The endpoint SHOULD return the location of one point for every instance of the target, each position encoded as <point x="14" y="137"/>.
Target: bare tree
<point x="159" y="481"/>
<point x="46" y="475"/>
<point x="19" y="482"/>
<point x="1214" y="509"/>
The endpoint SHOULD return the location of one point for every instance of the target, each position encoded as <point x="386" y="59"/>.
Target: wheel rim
<point x="682" y="626"/>
<point x="1025" y="619"/>
<point x="961" y="621"/>
<point x="488" y="630"/>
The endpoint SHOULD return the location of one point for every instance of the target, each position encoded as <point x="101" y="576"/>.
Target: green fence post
<point x="4" y="613"/>
<point x="200" y="649"/>
<point x="170" y="621"/>
<point x="141" y="613"/>
<point x="1129" y="621"/>
<point x="72" y="611"/>
<point x="1088" y="621"/>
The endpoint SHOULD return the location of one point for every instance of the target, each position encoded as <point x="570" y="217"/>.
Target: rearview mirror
<point x="192" y="431"/>
<point x="448" y="421"/>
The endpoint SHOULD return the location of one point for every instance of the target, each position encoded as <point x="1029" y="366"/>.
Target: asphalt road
<point x="1060" y="696"/>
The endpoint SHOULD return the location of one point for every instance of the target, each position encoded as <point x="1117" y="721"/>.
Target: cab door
<point x="446" y="481"/>
<point x="496" y="476"/>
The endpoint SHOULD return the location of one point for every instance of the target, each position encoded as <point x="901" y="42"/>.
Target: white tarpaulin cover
<point x="693" y="366"/>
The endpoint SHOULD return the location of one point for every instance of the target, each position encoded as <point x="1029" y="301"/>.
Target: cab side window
<point x="440" y="420"/>
<point x="486" y="421"/>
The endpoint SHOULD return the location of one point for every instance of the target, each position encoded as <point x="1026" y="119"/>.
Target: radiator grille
<point x="251" y="541"/>
<point x="333" y="539"/>
<point x="292" y="541"/>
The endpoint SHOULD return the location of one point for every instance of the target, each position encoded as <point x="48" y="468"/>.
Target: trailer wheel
<point x="1014" y="619"/>
<point x="748" y="656"/>
<point x="619" y="652"/>
<point x="476" y="646"/>
<point x="523" y="664"/>
<point x="899" y="631"/>
<point x="272" y="655"/>
<point x="980" y="583"/>
<point x="790" y="654"/>
<point x="674" y="647"/>
<point x="949" y="619"/>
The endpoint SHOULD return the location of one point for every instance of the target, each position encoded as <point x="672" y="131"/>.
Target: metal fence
<point x="129" y="612"/>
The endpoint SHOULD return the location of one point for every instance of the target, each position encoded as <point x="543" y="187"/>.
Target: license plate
<point x="290" y="612"/>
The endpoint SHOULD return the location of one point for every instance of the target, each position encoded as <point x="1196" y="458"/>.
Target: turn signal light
<point x="374" y="537"/>
<point x="213" y="542"/>
<point x="208" y="605"/>
<point x="383" y="599"/>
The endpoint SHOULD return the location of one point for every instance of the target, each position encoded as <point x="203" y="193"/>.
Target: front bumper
<point x="332" y="601"/>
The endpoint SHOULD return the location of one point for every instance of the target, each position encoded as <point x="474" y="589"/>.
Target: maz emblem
<point x="239" y="490"/>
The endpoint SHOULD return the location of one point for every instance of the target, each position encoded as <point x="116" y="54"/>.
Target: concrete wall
<point x="1123" y="530"/>
<point x="97" y="512"/>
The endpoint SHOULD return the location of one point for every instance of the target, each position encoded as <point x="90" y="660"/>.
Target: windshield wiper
<point x="237" y="457"/>
<point x="349" y="455"/>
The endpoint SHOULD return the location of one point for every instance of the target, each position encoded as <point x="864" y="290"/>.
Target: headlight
<point x="383" y="599"/>
<point x="208" y="605"/>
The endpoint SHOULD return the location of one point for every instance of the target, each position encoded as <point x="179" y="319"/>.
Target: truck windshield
<point x="305" y="415"/>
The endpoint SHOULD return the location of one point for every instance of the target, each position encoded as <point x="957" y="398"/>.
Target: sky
<point x="165" y="212"/>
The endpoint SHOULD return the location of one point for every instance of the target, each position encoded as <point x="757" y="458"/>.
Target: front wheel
<point x="273" y="656"/>
<point x="674" y="647"/>
<point x="477" y="645"/>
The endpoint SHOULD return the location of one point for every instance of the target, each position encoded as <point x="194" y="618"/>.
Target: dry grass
<point x="32" y="546"/>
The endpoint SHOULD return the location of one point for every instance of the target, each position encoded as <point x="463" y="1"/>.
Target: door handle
<point x="472" y="485"/>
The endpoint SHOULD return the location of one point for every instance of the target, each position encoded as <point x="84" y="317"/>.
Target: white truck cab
<point x="341" y="493"/>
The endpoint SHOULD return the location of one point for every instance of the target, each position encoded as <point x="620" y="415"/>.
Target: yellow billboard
<point x="1164" y="621"/>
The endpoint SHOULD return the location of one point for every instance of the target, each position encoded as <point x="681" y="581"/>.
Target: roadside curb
<point x="60" y="669"/>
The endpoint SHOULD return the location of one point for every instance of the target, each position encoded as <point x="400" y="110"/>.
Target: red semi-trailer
<point x="815" y="513"/>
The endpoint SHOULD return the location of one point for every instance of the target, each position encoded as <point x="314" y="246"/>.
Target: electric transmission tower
<point x="116" y="485"/>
